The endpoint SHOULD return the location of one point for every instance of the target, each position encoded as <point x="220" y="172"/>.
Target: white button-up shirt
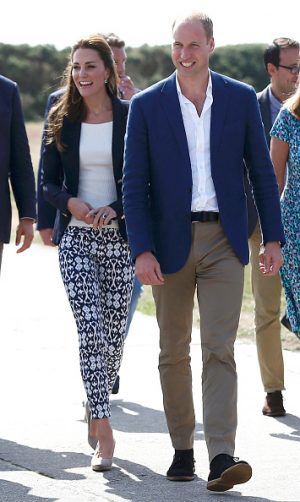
<point x="197" y="131"/>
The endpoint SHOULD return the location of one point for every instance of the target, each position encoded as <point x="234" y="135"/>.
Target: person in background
<point x="281" y="62"/>
<point x="285" y="153"/>
<point x="187" y="139"/>
<point x="15" y="169"/>
<point x="82" y="163"/>
<point x="46" y="212"/>
<point x="126" y="86"/>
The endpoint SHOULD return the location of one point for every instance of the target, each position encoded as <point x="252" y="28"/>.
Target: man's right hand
<point x="46" y="236"/>
<point x="147" y="270"/>
<point x="126" y="87"/>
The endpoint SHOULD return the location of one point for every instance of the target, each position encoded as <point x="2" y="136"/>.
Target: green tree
<point x="38" y="70"/>
<point x="243" y="62"/>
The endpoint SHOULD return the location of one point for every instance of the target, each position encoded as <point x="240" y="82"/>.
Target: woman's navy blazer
<point x="60" y="170"/>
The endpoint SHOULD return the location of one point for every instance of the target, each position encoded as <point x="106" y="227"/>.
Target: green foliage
<point x="147" y="65"/>
<point x="242" y="62"/>
<point x="38" y="70"/>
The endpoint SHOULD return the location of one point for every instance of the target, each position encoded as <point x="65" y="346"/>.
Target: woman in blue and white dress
<point x="285" y="151"/>
<point x="82" y="177"/>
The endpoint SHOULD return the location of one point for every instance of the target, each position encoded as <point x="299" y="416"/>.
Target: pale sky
<point x="63" y="22"/>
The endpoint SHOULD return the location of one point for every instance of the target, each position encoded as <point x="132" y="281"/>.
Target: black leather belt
<point x="204" y="216"/>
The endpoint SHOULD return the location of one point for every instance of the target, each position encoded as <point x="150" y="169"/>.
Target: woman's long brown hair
<point x="71" y="104"/>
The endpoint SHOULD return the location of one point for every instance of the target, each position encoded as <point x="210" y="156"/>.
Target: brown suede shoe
<point x="273" y="406"/>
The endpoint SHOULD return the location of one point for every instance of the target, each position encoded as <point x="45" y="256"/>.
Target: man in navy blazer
<point x="281" y="60"/>
<point x="15" y="169"/>
<point x="185" y="210"/>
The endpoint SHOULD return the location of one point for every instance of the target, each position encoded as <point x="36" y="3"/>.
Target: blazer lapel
<point x="171" y="105"/>
<point x="119" y="128"/>
<point x="71" y="138"/>
<point x="218" y="112"/>
<point x="265" y="111"/>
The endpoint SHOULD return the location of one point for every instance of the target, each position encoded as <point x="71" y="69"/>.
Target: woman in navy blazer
<point x="81" y="177"/>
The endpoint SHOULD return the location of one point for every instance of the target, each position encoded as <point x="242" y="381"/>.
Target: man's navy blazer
<point x="15" y="161"/>
<point x="60" y="170"/>
<point x="158" y="177"/>
<point x="265" y="110"/>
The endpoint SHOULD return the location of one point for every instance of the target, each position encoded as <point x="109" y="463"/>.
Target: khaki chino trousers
<point x="213" y="268"/>
<point x="267" y="297"/>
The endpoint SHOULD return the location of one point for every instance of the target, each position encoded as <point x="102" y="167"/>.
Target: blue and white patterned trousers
<point x="97" y="272"/>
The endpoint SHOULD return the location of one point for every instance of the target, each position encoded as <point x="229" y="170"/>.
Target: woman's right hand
<point x="79" y="209"/>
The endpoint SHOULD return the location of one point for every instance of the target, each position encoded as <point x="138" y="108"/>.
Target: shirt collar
<point x="184" y="99"/>
<point x="273" y="98"/>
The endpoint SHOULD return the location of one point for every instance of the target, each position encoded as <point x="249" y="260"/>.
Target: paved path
<point x="44" y="455"/>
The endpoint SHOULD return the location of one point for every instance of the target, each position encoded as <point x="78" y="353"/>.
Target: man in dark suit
<point x="15" y="169"/>
<point x="281" y="60"/>
<point x="185" y="210"/>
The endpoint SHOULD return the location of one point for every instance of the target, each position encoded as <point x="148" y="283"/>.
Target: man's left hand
<point x="270" y="258"/>
<point x="25" y="230"/>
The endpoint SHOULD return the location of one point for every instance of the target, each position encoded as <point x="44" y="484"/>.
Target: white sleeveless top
<point x="96" y="178"/>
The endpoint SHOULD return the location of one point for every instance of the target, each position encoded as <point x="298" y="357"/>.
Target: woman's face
<point x="88" y="72"/>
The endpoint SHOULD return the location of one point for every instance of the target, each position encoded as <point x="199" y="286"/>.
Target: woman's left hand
<point x="101" y="216"/>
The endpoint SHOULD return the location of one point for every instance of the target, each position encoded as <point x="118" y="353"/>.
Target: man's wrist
<point x="270" y="242"/>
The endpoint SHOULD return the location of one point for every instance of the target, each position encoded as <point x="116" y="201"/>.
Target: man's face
<point x="282" y="78"/>
<point x="120" y="60"/>
<point x="191" y="49"/>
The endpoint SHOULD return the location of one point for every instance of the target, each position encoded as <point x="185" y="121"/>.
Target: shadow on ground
<point x="51" y="464"/>
<point x="293" y="422"/>
<point x="137" y="483"/>
<point x="134" y="418"/>
<point x="19" y="492"/>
